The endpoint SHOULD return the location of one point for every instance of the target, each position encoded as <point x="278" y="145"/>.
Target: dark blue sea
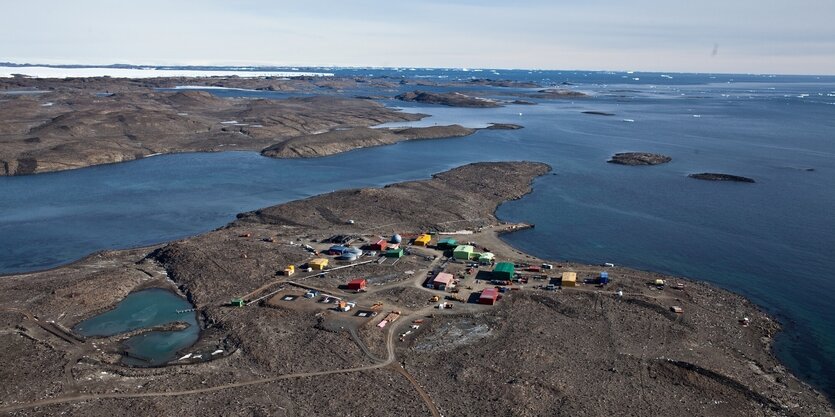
<point x="772" y="241"/>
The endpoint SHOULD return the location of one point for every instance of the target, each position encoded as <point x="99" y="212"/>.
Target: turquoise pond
<point x="145" y="309"/>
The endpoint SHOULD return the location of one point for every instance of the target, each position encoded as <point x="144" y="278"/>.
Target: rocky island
<point x="639" y="158"/>
<point x="60" y="130"/>
<point x="631" y="346"/>
<point x="558" y="93"/>
<point x="453" y="99"/>
<point x="59" y="124"/>
<point x="710" y="176"/>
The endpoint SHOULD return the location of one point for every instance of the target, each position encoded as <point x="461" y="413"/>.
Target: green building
<point x="394" y="253"/>
<point x="238" y="302"/>
<point x="504" y="270"/>
<point x="463" y="252"/>
<point x="447" y="243"/>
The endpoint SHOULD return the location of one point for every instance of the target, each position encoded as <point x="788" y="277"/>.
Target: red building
<point x="379" y="245"/>
<point x="488" y="296"/>
<point x="357" y="284"/>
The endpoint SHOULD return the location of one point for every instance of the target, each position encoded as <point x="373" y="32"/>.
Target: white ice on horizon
<point x="52" y="72"/>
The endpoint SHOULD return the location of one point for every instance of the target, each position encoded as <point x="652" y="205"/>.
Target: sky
<point x="736" y="36"/>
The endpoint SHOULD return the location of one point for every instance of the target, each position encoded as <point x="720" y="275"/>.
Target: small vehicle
<point x="550" y="287"/>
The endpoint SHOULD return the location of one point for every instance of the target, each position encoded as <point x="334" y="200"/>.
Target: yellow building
<point x="318" y="263"/>
<point x="423" y="240"/>
<point x="289" y="270"/>
<point x="569" y="279"/>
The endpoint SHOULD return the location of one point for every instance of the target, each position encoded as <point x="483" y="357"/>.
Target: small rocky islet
<point x="639" y="158"/>
<point x="712" y="176"/>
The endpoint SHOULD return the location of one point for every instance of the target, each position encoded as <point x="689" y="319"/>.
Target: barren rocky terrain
<point x="582" y="350"/>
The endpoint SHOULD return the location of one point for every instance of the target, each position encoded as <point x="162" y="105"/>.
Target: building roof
<point x="319" y="261"/>
<point x="487" y="255"/>
<point x="447" y="241"/>
<point x="569" y="276"/>
<point x="504" y="267"/>
<point x="358" y="281"/>
<point x="444" y="278"/>
<point x="424" y="238"/>
<point x="464" y="248"/>
<point x="489" y="293"/>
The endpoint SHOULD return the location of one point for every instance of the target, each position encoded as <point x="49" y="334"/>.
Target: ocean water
<point x="771" y="241"/>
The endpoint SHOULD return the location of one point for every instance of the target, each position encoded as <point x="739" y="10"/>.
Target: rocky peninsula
<point x="631" y="347"/>
<point x="711" y="176"/>
<point x="639" y="158"/>
<point x="343" y="140"/>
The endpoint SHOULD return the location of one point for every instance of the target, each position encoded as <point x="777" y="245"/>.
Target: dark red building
<point x="379" y="245"/>
<point x="357" y="284"/>
<point x="488" y="296"/>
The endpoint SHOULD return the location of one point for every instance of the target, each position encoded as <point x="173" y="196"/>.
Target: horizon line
<point x="256" y="67"/>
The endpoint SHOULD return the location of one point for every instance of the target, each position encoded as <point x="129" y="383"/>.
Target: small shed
<point x="486" y="258"/>
<point x="290" y="270"/>
<point x="447" y="243"/>
<point x="604" y="278"/>
<point x="379" y="245"/>
<point x="488" y="296"/>
<point x="443" y="281"/>
<point x="569" y="279"/>
<point x="238" y="302"/>
<point x="318" y="263"/>
<point x="394" y="253"/>
<point x="463" y="252"/>
<point x="357" y="284"/>
<point x="504" y="271"/>
<point x="423" y="240"/>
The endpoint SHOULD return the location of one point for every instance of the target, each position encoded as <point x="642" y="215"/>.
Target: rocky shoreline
<point x="579" y="351"/>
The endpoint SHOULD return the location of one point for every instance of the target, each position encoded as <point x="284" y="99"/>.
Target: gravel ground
<point x="576" y="351"/>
